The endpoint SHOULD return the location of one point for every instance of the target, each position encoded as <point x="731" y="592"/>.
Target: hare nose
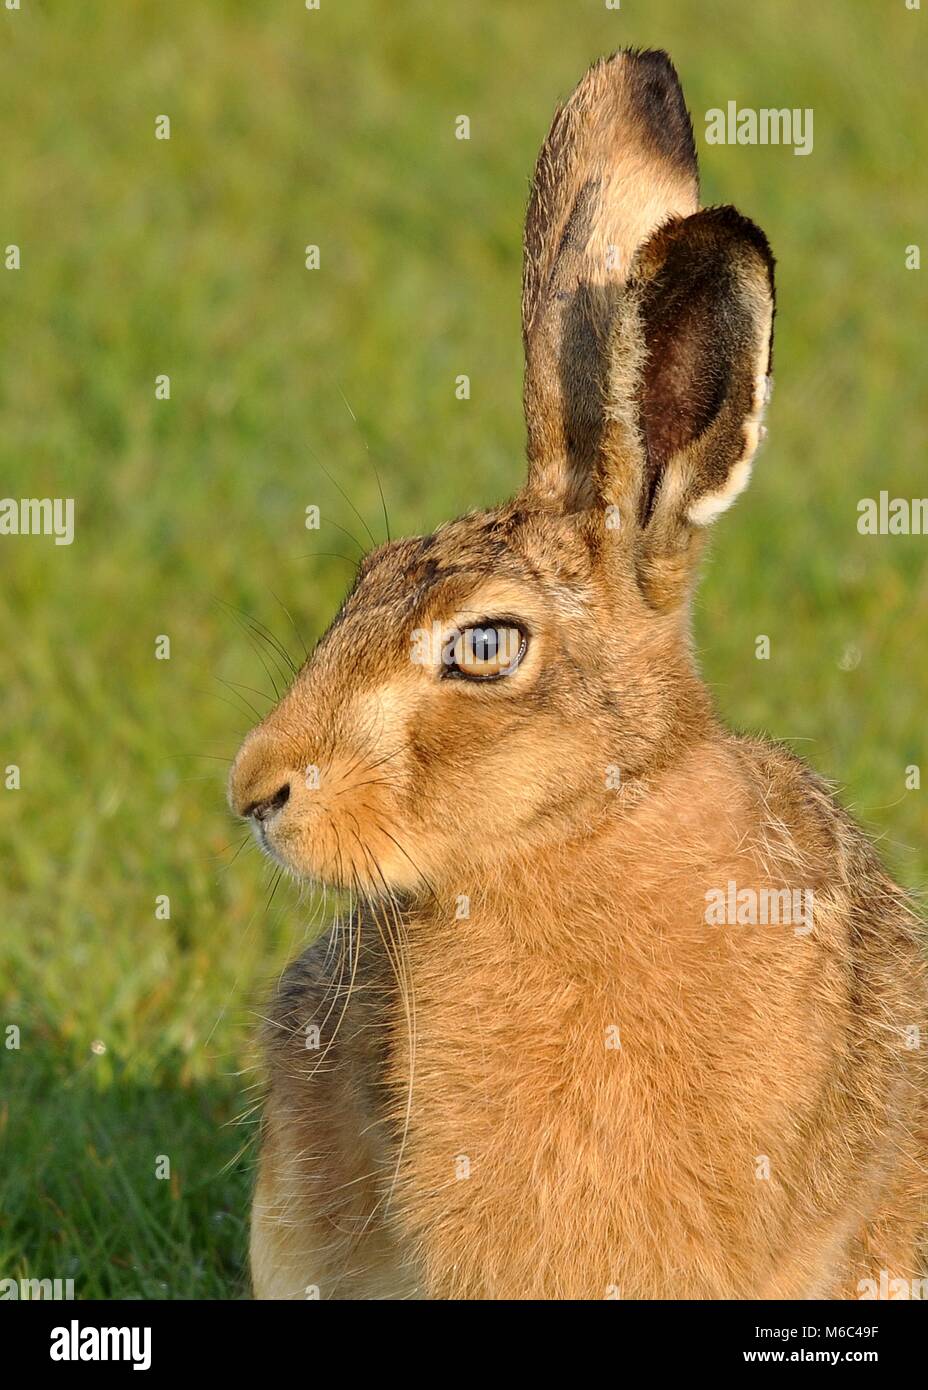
<point x="264" y="810"/>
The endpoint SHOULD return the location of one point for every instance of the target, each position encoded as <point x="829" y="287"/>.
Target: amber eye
<point x="487" y="652"/>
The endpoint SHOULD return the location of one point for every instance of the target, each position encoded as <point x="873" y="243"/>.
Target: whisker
<point x="260" y="655"/>
<point x="214" y="695"/>
<point x="277" y="877"/>
<point x="370" y="782"/>
<point x="328" y="555"/>
<point x="248" y="845"/>
<point x="239" y="686"/>
<point x="214" y="756"/>
<point x="403" y="975"/>
<point x="402" y="851"/>
<point x="271" y="638"/>
<point x="299" y="635"/>
<point x="254" y="628"/>
<point x="280" y="656"/>
<point x="247" y="703"/>
<point x="383" y="500"/>
<point x="345" y="532"/>
<point x="344" y="494"/>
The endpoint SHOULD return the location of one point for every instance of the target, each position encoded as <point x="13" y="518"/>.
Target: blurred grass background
<point x="140" y="257"/>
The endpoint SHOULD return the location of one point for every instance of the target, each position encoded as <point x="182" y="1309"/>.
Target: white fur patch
<point x="707" y="508"/>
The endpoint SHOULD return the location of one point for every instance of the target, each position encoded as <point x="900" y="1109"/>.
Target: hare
<point x="627" y="1006"/>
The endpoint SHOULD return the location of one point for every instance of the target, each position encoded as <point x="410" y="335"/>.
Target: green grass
<point x="185" y="257"/>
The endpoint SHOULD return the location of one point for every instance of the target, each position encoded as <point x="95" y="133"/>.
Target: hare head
<point x="488" y="687"/>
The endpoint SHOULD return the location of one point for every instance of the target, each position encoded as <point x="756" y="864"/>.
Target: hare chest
<point x="577" y="1125"/>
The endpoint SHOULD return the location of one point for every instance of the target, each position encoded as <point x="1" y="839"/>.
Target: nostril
<point x="263" y="810"/>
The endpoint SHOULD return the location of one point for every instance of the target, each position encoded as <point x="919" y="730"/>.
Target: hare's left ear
<point x="687" y="377"/>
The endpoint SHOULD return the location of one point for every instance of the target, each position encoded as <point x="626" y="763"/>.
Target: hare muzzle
<point x="319" y="787"/>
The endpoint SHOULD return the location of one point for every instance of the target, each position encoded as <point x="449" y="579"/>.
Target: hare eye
<point x="487" y="652"/>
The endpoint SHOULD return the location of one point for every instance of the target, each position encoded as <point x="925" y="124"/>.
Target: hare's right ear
<point x="687" y="379"/>
<point x="647" y="324"/>
<point x="618" y="161"/>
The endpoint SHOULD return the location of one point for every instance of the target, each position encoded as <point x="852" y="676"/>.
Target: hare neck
<point x="647" y="853"/>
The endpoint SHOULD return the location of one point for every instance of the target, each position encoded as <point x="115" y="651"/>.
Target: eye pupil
<point x="485" y="643"/>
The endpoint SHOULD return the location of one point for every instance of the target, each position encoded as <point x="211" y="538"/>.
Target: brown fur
<point x="540" y="1071"/>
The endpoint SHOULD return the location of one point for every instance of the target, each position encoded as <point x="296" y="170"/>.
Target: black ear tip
<point x="733" y="225"/>
<point x="720" y="231"/>
<point x="650" y="74"/>
<point x="656" y="96"/>
<point x="653" y="60"/>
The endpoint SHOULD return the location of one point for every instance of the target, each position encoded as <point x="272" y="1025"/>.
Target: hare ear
<point x="618" y="161"/>
<point x="688" y="376"/>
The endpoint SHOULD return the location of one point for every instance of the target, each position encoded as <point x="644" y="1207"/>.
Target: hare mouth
<point x="320" y="851"/>
<point x="267" y="846"/>
<point x="261" y="835"/>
